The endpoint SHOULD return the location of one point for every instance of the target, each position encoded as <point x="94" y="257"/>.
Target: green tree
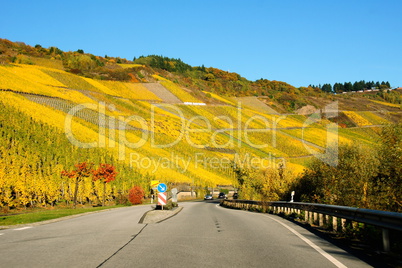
<point x="338" y="88"/>
<point x="348" y="86"/>
<point x="326" y="88"/>
<point x="357" y="86"/>
<point x="55" y="51"/>
<point x="388" y="84"/>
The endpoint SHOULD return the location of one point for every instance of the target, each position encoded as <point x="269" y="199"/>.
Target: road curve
<point x="201" y="235"/>
<point x="206" y="235"/>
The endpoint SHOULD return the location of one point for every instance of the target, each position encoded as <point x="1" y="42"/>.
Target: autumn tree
<point x="106" y="173"/>
<point x="81" y="171"/>
<point x="271" y="184"/>
<point x="388" y="183"/>
<point x="348" y="183"/>
<point x="266" y="184"/>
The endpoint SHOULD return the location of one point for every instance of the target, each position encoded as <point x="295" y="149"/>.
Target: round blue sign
<point x="162" y="187"/>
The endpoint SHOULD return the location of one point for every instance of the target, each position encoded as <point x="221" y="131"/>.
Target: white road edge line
<point x="23" y="228"/>
<point x="311" y="244"/>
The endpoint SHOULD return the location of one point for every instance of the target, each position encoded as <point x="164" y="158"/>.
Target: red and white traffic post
<point x="161" y="199"/>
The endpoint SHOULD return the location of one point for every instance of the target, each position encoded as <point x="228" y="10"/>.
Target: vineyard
<point x="51" y="120"/>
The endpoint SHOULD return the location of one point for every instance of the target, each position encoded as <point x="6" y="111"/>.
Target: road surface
<point x="201" y="235"/>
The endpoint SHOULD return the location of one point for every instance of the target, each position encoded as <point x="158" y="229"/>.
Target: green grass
<point x="48" y="214"/>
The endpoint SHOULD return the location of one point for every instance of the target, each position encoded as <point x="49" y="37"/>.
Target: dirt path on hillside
<point x="162" y="93"/>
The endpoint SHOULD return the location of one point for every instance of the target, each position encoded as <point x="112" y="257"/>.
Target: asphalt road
<point x="201" y="235"/>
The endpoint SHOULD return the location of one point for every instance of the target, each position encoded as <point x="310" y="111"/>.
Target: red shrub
<point x="135" y="195"/>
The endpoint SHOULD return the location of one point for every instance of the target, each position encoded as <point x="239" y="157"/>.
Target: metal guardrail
<point x="383" y="219"/>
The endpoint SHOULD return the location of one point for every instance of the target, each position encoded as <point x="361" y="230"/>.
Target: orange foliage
<point x="223" y="74"/>
<point x="106" y="172"/>
<point x="133" y="78"/>
<point x="135" y="195"/>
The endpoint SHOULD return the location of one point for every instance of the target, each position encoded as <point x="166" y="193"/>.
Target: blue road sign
<point x="162" y="187"/>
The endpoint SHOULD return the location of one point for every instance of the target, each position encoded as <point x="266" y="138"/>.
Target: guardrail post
<point x="343" y="223"/>
<point x="385" y="240"/>
<point x="311" y="217"/>
<point x="320" y="220"/>
<point x="334" y="223"/>
<point x="315" y="220"/>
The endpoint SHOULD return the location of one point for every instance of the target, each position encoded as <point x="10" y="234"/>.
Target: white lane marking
<point x="23" y="228"/>
<point x="1" y="233"/>
<point x="311" y="244"/>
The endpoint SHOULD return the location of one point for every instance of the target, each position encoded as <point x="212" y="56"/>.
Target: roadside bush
<point x="123" y="200"/>
<point x="170" y="205"/>
<point x="135" y="195"/>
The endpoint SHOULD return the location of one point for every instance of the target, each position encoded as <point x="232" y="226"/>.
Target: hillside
<point x="178" y="124"/>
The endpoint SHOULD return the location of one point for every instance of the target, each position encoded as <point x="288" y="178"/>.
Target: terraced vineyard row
<point x="89" y="115"/>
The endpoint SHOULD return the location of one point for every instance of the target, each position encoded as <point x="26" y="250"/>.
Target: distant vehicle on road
<point x="222" y="196"/>
<point x="208" y="197"/>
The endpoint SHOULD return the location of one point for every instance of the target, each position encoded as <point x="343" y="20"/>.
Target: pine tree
<point x="348" y="86"/>
<point x="327" y="88"/>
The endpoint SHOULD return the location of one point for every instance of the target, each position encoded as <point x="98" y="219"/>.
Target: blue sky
<point x="298" y="42"/>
